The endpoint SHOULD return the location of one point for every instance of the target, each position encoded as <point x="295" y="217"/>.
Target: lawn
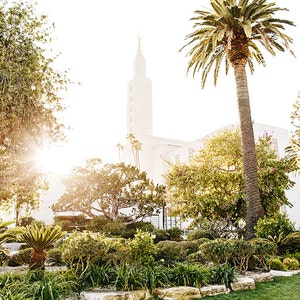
<point x="282" y="288"/>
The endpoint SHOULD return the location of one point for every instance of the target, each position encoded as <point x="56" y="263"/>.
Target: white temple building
<point x="156" y="152"/>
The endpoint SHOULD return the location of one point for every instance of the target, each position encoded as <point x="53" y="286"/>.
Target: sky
<point x="97" y="41"/>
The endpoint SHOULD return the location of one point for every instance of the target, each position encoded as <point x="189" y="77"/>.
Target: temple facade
<point x="154" y="154"/>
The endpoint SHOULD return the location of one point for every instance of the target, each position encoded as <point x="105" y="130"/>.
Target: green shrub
<point x="273" y="226"/>
<point x="183" y="274"/>
<point x="83" y="248"/>
<point x="276" y="264"/>
<point x="175" y="234"/>
<point x="160" y="235"/>
<point x="198" y="234"/>
<point x="96" y="224"/>
<point x="117" y="252"/>
<point x="189" y="247"/>
<point x="291" y="243"/>
<point x="22" y="257"/>
<point x="142" y="248"/>
<point x="218" y="251"/>
<point x="132" y="229"/>
<point x="290" y="264"/>
<point x="54" y="257"/>
<point x="169" y="252"/>
<point x="263" y="249"/>
<point x="241" y="252"/>
<point x="222" y="274"/>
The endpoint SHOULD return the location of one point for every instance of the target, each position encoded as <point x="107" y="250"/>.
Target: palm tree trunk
<point x="252" y="197"/>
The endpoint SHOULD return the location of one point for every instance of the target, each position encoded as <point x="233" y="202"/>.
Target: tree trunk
<point x="252" y="197"/>
<point x="37" y="260"/>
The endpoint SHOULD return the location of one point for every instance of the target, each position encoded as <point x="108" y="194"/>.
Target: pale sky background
<point x="98" y="42"/>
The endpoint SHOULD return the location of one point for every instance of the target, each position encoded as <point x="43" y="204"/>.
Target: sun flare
<point x="55" y="160"/>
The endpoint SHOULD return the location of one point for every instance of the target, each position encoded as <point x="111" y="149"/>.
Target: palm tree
<point x="40" y="238"/>
<point x="231" y="33"/>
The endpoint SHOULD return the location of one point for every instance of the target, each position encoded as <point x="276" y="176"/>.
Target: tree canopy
<point x="30" y="101"/>
<point x="112" y="190"/>
<point x="211" y="185"/>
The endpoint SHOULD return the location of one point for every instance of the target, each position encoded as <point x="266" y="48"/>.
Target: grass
<point x="282" y="288"/>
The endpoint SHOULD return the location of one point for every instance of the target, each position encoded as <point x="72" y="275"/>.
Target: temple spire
<point x="139" y="62"/>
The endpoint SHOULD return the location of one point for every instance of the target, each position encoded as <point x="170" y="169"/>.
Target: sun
<point x="55" y="160"/>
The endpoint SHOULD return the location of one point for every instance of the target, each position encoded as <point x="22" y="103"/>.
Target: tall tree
<point x="231" y="32"/>
<point x="293" y="150"/>
<point x="29" y="97"/>
<point x="113" y="190"/>
<point x="211" y="185"/>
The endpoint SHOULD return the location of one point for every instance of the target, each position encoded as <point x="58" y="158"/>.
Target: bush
<point x="218" y="251"/>
<point x="160" y="235"/>
<point x="263" y="249"/>
<point x="54" y="257"/>
<point x="273" y="226"/>
<point x="291" y="243"/>
<point x="175" y="234"/>
<point x="96" y="224"/>
<point x="117" y="251"/>
<point x="169" y="252"/>
<point x="83" y="248"/>
<point x="198" y="234"/>
<point x="142" y="248"/>
<point x="276" y="264"/>
<point x="290" y="264"/>
<point x="189" y="247"/>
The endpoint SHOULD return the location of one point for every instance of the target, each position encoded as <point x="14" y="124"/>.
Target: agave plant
<point x="40" y="238"/>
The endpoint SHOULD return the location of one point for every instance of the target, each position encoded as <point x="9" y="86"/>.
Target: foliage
<point x="199" y="233"/>
<point x="81" y="249"/>
<point x="160" y="235"/>
<point x="175" y="234"/>
<point x="222" y="274"/>
<point x="169" y="252"/>
<point x="291" y="264"/>
<point x="241" y="252"/>
<point x="142" y="249"/>
<point x="128" y="277"/>
<point x="189" y="247"/>
<point x="30" y="102"/>
<point x="273" y="226"/>
<point x="183" y="274"/>
<point x="54" y="257"/>
<point x="276" y="264"/>
<point x="210" y="188"/>
<point x="263" y="248"/>
<point x="37" y="285"/>
<point x="110" y="189"/>
<point x="40" y="238"/>
<point x="20" y="258"/>
<point x="218" y="251"/>
<point x="290" y="243"/>
<point x="157" y="276"/>
<point x="70" y="223"/>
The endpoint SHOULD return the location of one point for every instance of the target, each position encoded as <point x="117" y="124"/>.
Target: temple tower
<point x="139" y="98"/>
